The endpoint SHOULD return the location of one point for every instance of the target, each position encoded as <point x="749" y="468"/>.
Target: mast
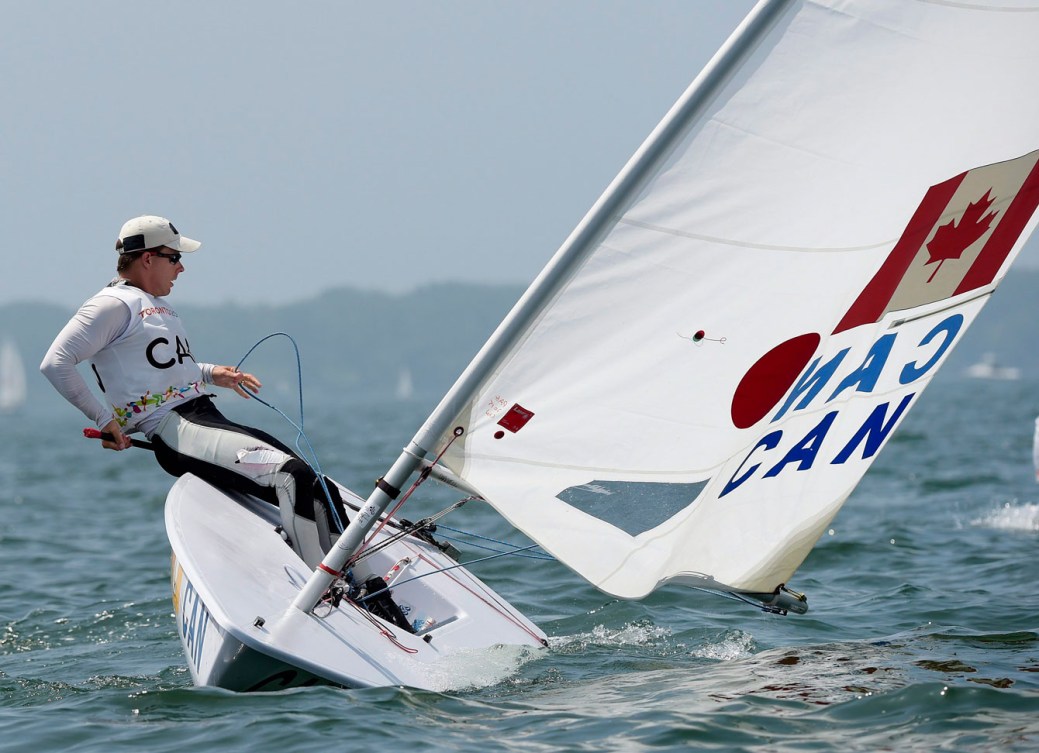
<point x="585" y="237"/>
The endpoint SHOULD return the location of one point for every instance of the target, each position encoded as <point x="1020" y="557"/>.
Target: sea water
<point x="922" y="634"/>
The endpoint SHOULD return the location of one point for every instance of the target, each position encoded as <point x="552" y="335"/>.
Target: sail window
<point x="632" y="506"/>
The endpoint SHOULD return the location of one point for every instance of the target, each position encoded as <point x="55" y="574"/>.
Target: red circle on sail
<point x="765" y="383"/>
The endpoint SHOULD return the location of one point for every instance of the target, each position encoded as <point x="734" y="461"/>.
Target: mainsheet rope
<point x="312" y="460"/>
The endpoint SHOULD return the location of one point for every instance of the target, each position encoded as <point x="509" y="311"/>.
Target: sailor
<point x="138" y="349"/>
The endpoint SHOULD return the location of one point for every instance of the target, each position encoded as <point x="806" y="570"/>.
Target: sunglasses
<point x="174" y="258"/>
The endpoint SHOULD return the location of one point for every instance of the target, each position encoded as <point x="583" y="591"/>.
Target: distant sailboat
<point x="12" y="377"/>
<point x="405" y="385"/>
<point x="1035" y="450"/>
<point x="988" y="368"/>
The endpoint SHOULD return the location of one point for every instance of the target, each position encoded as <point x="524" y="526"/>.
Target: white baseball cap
<point x="149" y="231"/>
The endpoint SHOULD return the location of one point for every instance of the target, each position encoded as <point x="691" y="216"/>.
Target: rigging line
<point x="732" y="595"/>
<point x="492" y="600"/>
<point x="460" y="531"/>
<point x="398" y="584"/>
<point x="363" y="549"/>
<point x="422" y="476"/>
<point x="311" y="460"/>
<point x="410" y="531"/>
<point x="502" y="609"/>
<point x="383" y="630"/>
<point x="514" y="548"/>
<point x="477" y="536"/>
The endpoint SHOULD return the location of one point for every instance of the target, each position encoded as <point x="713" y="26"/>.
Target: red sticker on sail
<point x="516" y="418"/>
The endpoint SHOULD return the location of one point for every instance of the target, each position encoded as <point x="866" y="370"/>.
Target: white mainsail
<point x="701" y="376"/>
<point x="12" y="377"/>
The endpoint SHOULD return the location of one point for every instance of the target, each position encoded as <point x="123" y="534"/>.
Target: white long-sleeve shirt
<point x="96" y="325"/>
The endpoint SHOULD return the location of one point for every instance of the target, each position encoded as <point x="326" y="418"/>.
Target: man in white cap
<point x="140" y="356"/>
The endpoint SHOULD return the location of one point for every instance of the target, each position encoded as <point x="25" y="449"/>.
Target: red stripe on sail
<point x="991" y="257"/>
<point x="874" y="298"/>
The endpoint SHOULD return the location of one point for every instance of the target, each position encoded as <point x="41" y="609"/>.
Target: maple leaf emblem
<point x="951" y="239"/>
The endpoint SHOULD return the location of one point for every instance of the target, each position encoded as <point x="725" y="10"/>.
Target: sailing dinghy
<point x="1035" y="450"/>
<point x="694" y="385"/>
<point x="12" y="378"/>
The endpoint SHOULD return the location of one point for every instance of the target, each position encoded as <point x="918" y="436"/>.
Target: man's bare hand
<point x="239" y="381"/>
<point x="119" y="440"/>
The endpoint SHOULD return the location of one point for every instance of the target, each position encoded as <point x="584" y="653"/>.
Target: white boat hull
<point x="234" y="580"/>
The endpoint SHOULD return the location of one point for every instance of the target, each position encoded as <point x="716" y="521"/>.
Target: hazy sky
<point x="316" y="144"/>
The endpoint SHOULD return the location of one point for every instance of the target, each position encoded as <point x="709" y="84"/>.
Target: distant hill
<point x="357" y="344"/>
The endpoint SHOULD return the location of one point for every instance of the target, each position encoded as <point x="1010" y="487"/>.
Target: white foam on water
<point x="734" y="645"/>
<point x="632" y="634"/>
<point x="1011" y="517"/>
<point x="479" y="668"/>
